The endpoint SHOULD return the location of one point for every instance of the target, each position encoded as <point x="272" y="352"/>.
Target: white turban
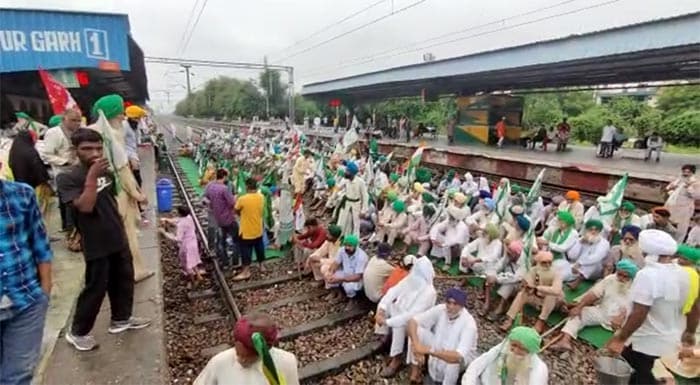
<point x="409" y="260"/>
<point x="657" y="242"/>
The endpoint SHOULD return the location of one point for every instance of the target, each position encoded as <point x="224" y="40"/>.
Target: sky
<point x="326" y="39"/>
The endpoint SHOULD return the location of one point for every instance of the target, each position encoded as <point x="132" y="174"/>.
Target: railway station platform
<point x="133" y="357"/>
<point x="577" y="168"/>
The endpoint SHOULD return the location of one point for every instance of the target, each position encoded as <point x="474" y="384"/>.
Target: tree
<point x="682" y="128"/>
<point x="677" y="100"/>
<point x="541" y="110"/>
<point x="575" y="103"/>
<point x="269" y="81"/>
<point x="305" y="107"/>
<point x="589" y="125"/>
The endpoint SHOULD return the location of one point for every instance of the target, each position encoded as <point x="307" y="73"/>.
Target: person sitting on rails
<point x="507" y="274"/>
<point x="624" y="216"/>
<point x="308" y="241"/>
<point x="588" y="255"/>
<point x="628" y="248"/>
<point x="542" y="287"/>
<point x="391" y="227"/>
<point x="415" y="197"/>
<point x="417" y="230"/>
<point x="513" y="361"/>
<point x="517" y="225"/>
<point x="483" y="215"/>
<point x="320" y="261"/>
<point x="444" y="337"/>
<point x="660" y="219"/>
<point x="482" y="254"/>
<point x="347" y="269"/>
<point x="399" y="272"/>
<point x="250" y="208"/>
<point x="377" y="272"/>
<point x="560" y="240"/>
<point x="387" y="212"/>
<point x="604" y="304"/>
<point x="188" y="247"/>
<point x="449" y="236"/>
<point x="413" y="295"/>
<point x="255" y="358"/>
<point x="221" y="202"/>
<point x="89" y="188"/>
<point x="572" y="203"/>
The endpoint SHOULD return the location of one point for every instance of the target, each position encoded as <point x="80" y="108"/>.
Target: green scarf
<point x="557" y="238"/>
<point x="272" y="375"/>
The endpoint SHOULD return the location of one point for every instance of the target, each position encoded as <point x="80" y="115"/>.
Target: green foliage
<point x="576" y="103"/>
<point x="269" y="81"/>
<point x="432" y="114"/>
<point x="589" y="125"/>
<point x="542" y="110"/>
<point x="223" y="98"/>
<point x="677" y="100"/>
<point x="682" y="128"/>
<point x="304" y="107"/>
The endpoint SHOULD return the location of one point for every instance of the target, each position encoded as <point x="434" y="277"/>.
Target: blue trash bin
<point x="164" y="195"/>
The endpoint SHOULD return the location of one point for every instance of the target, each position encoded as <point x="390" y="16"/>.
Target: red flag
<point x="60" y="98"/>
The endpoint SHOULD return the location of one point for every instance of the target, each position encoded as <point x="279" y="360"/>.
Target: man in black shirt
<point x="89" y="188"/>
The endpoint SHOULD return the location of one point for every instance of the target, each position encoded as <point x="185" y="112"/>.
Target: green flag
<point x="609" y="204"/>
<point x="502" y="201"/>
<point x="534" y="192"/>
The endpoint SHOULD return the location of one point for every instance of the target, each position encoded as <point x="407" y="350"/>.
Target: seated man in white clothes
<point x="604" y="304"/>
<point x="444" y="337"/>
<point x="484" y="214"/>
<point x="412" y="295"/>
<point x="376" y="273"/>
<point x="255" y="338"/>
<point x="588" y="255"/>
<point x="391" y="226"/>
<point x="483" y="253"/>
<point x="516" y="357"/>
<point x="417" y="230"/>
<point x="507" y="275"/>
<point x="449" y="236"/>
<point x="347" y="268"/>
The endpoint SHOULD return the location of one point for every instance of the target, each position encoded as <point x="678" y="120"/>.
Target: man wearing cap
<point x="628" y="248"/>
<point x="392" y="226"/>
<point x="254" y="359"/>
<point x="507" y="273"/>
<point x="588" y="255"/>
<point x="417" y="229"/>
<point x="321" y="260"/>
<point x="572" y="204"/>
<point x="624" y="216"/>
<point x="446" y="335"/>
<point x="515" y="358"/>
<point x="347" y="268"/>
<point x="542" y="286"/>
<point x="449" y="236"/>
<point x="659" y="219"/>
<point x="604" y="304"/>
<point x="377" y="272"/>
<point x="413" y="295"/>
<point x="355" y="201"/>
<point x="517" y="223"/>
<point x="655" y="322"/>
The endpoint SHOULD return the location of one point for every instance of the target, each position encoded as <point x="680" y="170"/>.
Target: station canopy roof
<point x="665" y="49"/>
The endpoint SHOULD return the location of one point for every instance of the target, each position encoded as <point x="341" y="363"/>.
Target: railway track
<point x="325" y="336"/>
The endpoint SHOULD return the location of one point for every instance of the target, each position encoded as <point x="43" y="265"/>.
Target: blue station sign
<point x="33" y="39"/>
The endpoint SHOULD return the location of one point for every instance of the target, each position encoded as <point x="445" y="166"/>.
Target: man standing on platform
<point x="606" y="140"/>
<point x="89" y="188"/>
<point x="25" y="268"/>
<point x="58" y="152"/>
<point x="501" y="131"/>
<point x="563" y="132"/>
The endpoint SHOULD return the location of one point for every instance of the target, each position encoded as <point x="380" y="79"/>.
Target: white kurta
<point x="488" y="251"/>
<point x="224" y="369"/>
<point x="561" y="265"/>
<point x="485" y="370"/>
<point x="681" y="203"/>
<point x="449" y="234"/>
<point x="356" y="201"/>
<point x="589" y="257"/>
<point x="439" y="332"/>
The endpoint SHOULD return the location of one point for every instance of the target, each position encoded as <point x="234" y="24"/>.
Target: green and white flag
<point x="502" y="201"/>
<point x="528" y="240"/>
<point x="115" y="154"/>
<point x="534" y="192"/>
<point x="413" y="163"/>
<point x="609" y="204"/>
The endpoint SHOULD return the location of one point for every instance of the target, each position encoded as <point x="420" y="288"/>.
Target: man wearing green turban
<point x="590" y="253"/>
<point x="129" y="194"/>
<point x="347" y="269"/>
<point x="625" y="216"/>
<point x="321" y="260"/>
<point x="689" y="260"/>
<point x="513" y="361"/>
<point x="55" y="120"/>
<point x="605" y="304"/>
<point x="393" y="177"/>
<point x="393" y="223"/>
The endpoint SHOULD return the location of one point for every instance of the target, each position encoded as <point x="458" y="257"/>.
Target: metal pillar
<point x="187" y="73"/>
<point x="290" y="71"/>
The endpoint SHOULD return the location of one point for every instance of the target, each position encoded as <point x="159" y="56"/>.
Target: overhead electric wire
<point x="187" y="27"/>
<point x="374" y="21"/>
<point x="334" y="24"/>
<point x="471" y="28"/>
<point x="194" y="26"/>
<point x="473" y="35"/>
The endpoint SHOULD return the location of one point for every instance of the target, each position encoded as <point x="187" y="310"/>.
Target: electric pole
<point x="269" y="89"/>
<point x="187" y="73"/>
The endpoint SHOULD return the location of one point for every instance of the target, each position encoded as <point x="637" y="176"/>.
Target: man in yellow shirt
<point x="689" y="260"/>
<point x="249" y="207"/>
